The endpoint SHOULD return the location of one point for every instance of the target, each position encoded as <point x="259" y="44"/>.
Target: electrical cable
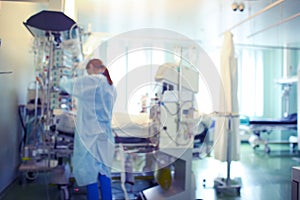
<point x="175" y="141"/>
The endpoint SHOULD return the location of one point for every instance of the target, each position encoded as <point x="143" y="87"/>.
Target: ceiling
<point x="274" y="23"/>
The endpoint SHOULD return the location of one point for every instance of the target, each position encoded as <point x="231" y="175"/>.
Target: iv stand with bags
<point x="48" y="141"/>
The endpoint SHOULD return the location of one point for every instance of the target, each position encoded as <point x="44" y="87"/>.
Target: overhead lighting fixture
<point x="241" y="7"/>
<point x="234" y="6"/>
<point x="238" y="6"/>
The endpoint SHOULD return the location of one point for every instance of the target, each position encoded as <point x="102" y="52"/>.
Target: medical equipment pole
<point x="48" y="88"/>
<point x="286" y="99"/>
<point x="35" y="137"/>
<point x="179" y="91"/>
<point x="228" y="149"/>
<point x="226" y="185"/>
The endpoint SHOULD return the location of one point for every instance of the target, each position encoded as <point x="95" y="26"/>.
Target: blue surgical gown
<point x="94" y="141"/>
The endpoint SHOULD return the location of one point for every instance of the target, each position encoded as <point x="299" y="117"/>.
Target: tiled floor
<point x="263" y="176"/>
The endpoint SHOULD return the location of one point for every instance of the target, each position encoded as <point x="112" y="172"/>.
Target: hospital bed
<point x="133" y="142"/>
<point x="258" y="126"/>
<point x="136" y="133"/>
<point x="133" y="131"/>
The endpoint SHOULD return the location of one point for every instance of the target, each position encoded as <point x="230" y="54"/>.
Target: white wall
<point x="15" y="56"/>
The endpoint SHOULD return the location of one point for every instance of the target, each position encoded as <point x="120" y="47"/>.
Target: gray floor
<point x="263" y="176"/>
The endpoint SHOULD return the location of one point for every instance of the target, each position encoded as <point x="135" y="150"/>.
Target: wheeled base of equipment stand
<point x="226" y="187"/>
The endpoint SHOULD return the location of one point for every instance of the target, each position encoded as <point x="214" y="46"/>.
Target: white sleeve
<point x="81" y="87"/>
<point x="66" y="84"/>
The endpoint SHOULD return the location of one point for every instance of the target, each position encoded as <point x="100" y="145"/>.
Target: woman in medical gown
<point x="94" y="142"/>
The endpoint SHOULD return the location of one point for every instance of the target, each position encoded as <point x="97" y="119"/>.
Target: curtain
<point x="251" y="83"/>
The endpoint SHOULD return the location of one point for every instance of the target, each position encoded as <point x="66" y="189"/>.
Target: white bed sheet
<point x="129" y="125"/>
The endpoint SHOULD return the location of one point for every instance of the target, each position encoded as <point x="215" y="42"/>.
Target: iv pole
<point x="222" y="185"/>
